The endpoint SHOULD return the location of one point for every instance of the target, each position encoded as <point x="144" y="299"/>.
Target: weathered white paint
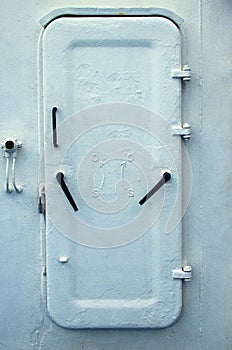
<point x="207" y="317"/>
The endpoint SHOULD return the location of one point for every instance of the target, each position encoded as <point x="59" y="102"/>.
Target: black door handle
<point x="54" y="128"/>
<point x="166" y="177"/>
<point x="60" y="179"/>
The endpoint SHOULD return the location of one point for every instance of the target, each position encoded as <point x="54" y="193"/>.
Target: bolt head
<point x="63" y="259"/>
<point x="186" y="68"/>
<point x="187" y="268"/>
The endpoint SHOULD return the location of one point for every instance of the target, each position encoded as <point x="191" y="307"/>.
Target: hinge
<point x="184" y="274"/>
<point x="182" y="130"/>
<point x="182" y="73"/>
<point x="42" y="200"/>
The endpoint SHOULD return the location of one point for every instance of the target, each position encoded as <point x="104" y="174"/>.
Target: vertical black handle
<point x="60" y="179"/>
<point x="54" y="129"/>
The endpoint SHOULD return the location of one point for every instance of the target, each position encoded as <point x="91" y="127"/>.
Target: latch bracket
<point x="182" y="73"/>
<point x="10" y="147"/>
<point x="42" y="201"/>
<point x="182" y="130"/>
<point x="184" y="274"/>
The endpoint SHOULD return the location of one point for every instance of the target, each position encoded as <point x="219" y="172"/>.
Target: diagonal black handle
<point x="60" y="179"/>
<point x="166" y="177"/>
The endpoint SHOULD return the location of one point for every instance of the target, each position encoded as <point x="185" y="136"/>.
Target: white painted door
<point x="109" y="105"/>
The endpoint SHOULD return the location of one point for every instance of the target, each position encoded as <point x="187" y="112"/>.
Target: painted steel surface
<point x="121" y="256"/>
<point x="206" y="318"/>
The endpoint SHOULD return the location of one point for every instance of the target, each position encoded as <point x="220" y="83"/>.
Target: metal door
<point x="110" y="103"/>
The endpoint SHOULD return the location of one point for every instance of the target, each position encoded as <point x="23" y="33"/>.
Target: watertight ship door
<point x="113" y="171"/>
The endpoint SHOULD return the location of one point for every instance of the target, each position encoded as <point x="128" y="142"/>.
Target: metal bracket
<point x="184" y="274"/>
<point x="184" y="73"/>
<point x="182" y="130"/>
<point x="42" y="200"/>
<point x="44" y="270"/>
<point x="10" y="147"/>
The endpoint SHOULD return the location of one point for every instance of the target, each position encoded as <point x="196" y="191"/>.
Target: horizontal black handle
<point x="166" y="177"/>
<point x="60" y="179"/>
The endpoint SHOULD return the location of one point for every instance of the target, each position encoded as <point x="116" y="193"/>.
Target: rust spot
<point x="121" y="13"/>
